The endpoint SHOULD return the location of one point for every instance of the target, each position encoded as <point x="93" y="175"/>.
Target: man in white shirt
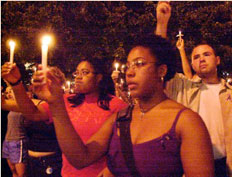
<point x="210" y="97"/>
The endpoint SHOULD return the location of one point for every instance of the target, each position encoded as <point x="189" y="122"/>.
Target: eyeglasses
<point x="82" y="73"/>
<point x="136" y="64"/>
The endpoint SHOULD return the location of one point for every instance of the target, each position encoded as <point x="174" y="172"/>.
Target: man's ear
<point x="162" y="70"/>
<point x="218" y="60"/>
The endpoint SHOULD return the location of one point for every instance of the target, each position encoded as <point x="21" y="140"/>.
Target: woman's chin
<point x="134" y="94"/>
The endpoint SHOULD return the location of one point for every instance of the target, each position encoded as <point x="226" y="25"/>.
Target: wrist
<point x="161" y="29"/>
<point x="181" y="50"/>
<point x="16" y="83"/>
<point x="57" y="100"/>
<point x="162" y="24"/>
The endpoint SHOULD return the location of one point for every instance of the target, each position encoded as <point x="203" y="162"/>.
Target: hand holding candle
<point x="115" y="76"/>
<point x="12" y="47"/>
<point x="115" y="73"/>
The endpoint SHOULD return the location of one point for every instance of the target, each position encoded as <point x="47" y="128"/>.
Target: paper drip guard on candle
<point x="12" y="47"/>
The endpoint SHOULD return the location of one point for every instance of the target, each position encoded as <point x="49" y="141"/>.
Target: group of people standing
<point x="160" y="134"/>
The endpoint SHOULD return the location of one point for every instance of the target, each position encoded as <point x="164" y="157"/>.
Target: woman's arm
<point x="78" y="154"/>
<point x="30" y="109"/>
<point x="25" y="105"/>
<point x="196" y="147"/>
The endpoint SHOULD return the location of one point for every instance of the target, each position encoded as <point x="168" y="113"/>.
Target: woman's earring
<point x="162" y="79"/>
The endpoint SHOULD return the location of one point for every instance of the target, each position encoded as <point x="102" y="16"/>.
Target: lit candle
<point x="122" y="81"/>
<point x="123" y="67"/>
<point x="68" y="84"/>
<point x="45" y="41"/>
<point x="12" y="47"/>
<point x="34" y="68"/>
<point x="116" y="66"/>
<point x="179" y="35"/>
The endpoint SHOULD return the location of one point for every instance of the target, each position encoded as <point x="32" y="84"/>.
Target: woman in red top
<point x="88" y="108"/>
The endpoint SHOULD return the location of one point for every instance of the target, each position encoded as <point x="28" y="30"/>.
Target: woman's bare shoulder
<point x="187" y="116"/>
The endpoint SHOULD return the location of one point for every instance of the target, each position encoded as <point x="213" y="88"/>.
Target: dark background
<point x="87" y="29"/>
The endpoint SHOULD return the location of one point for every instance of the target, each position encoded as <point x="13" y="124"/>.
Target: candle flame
<point x="12" y="44"/>
<point x="116" y="66"/>
<point x="46" y="40"/>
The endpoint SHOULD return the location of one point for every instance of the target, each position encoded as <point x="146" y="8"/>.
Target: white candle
<point x="123" y="68"/>
<point x="68" y="84"/>
<point x="116" y="66"/>
<point x="12" y="47"/>
<point x="45" y="41"/>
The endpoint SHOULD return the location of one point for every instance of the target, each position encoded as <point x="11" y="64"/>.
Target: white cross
<point x="179" y="35"/>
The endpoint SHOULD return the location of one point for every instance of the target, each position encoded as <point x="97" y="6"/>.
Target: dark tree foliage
<point x="102" y="29"/>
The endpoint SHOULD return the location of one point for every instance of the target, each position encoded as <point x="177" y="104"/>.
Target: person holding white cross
<point x="210" y="96"/>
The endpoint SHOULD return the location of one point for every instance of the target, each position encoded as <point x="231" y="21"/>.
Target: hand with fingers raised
<point x="47" y="86"/>
<point x="180" y="44"/>
<point x="163" y="12"/>
<point x="10" y="73"/>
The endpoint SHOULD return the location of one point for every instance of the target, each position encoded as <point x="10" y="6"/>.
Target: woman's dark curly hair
<point x="105" y="85"/>
<point x="160" y="48"/>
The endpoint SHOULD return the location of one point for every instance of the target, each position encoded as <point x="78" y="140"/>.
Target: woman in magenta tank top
<point x="167" y="139"/>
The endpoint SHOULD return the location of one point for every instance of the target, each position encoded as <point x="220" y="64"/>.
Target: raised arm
<point x="11" y="74"/>
<point x="184" y="60"/>
<point x="163" y="13"/>
<point x="78" y="154"/>
<point x="11" y="105"/>
<point x="196" y="148"/>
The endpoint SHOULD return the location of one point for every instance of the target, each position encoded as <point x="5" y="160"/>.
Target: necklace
<point x="141" y="115"/>
<point x="144" y="111"/>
